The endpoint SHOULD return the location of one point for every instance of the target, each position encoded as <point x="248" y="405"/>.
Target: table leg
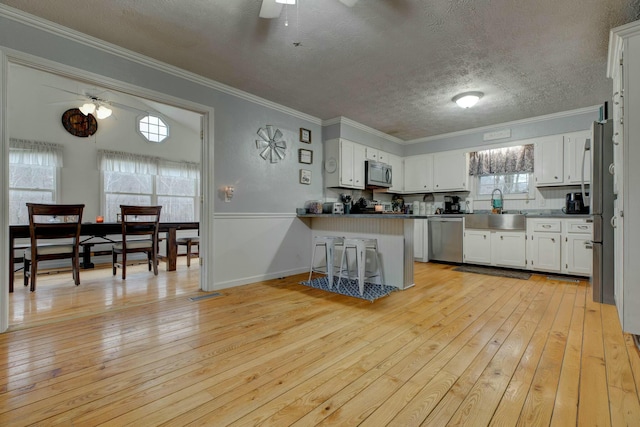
<point x="11" y="263"/>
<point x="86" y="256"/>
<point x="172" y="250"/>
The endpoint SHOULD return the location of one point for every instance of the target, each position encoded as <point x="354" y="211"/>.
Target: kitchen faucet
<point x="496" y="204"/>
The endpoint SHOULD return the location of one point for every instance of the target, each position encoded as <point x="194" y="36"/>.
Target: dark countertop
<point x="357" y="216"/>
<point x="543" y="215"/>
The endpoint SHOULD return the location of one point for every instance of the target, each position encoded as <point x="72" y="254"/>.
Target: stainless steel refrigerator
<point x="600" y="150"/>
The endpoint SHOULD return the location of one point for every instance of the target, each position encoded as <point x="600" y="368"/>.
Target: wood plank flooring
<point x="456" y="349"/>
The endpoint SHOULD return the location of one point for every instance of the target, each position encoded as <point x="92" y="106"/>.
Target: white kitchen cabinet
<point x="624" y="68"/>
<point x="573" y="155"/>
<point x="493" y="247"/>
<point x="476" y="246"/>
<point x="344" y="164"/>
<point x="371" y="154"/>
<point x="397" y="171"/>
<point x="508" y="249"/>
<point x="544" y="248"/>
<point x="421" y="239"/>
<point x="577" y="254"/>
<point x="549" y="160"/>
<point x="418" y="173"/>
<point x="450" y="171"/>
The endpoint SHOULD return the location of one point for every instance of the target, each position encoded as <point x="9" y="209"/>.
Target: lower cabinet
<point x="544" y="252"/>
<point x="577" y="253"/>
<point x="499" y="248"/>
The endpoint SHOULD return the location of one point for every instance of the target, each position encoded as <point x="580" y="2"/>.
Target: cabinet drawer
<point x="579" y="227"/>
<point x="548" y="226"/>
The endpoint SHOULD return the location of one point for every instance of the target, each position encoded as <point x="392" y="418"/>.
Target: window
<point x="130" y="179"/>
<point x="508" y="183"/>
<point x="508" y="169"/>
<point x="33" y="176"/>
<point x="153" y="128"/>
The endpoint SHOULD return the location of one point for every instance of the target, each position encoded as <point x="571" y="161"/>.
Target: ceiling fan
<point x="272" y="8"/>
<point x="94" y="104"/>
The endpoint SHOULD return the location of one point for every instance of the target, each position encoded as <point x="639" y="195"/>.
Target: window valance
<point x="119" y="161"/>
<point x="26" y="152"/>
<point x="518" y="159"/>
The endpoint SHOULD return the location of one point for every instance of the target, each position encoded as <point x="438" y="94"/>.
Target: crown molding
<point x="562" y="114"/>
<point x="84" y="39"/>
<point x="346" y="121"/>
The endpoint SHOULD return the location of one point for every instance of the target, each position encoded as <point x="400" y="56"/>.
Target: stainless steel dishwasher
<point x="445" y="239"/>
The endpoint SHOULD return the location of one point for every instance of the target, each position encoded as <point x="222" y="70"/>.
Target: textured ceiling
<point x="393" y="65"/>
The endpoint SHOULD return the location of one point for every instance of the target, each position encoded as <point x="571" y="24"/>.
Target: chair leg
<point x="34" y="272"/>
<point x="113" y="262"/>
<point x="155" y="262"/>
<point x="76" y="270"/>
<point x="149" y="260"/>
<point x="188" y="254"/>
<point x="27" y="271"/>
<point x="124" y="265"/>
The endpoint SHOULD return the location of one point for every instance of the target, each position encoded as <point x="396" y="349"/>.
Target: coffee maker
<point x="451" y="204"/>
<point x="574" y="204"/>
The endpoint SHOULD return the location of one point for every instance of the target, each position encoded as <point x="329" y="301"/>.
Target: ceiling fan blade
<point x="349" y="3"/>
<point x="270" y="9"/>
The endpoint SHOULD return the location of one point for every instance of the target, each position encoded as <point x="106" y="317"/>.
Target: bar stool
<point x="361" y="246"/>
<point x="329" y="243"/>
<point x="189" y="242"/>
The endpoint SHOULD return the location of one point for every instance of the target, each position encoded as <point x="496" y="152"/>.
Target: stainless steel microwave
<point x="377" y="174"/>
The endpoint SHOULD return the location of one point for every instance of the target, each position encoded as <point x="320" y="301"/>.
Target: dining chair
<point x="139" y="234"/>
<point x="189" y="242"/>
<point x="46" y="223"/>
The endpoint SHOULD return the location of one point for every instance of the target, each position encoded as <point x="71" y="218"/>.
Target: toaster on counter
<point x="333" y="208"/>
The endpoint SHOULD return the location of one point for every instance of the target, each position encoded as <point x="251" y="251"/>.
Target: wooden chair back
<point x="47" y="221"/>
<point x="140" y="221"/>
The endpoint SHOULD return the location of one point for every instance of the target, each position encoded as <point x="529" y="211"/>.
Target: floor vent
<point x="201" y="297"/>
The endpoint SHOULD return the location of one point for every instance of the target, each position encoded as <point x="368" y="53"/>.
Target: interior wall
<point x="261" y="187"/>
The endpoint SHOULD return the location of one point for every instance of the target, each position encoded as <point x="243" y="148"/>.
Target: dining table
<point x="103" y="232"/>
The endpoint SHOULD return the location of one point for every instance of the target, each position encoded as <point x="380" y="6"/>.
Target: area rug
<point x="493" y="271"/>
<point x="350" y="288"/>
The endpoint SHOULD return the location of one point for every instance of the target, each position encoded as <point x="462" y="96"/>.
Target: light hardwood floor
<point x="457" y="349"/>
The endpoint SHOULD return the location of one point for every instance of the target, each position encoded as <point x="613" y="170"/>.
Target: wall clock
<point x="77" y="124"/>
<point x="272" y="146"/>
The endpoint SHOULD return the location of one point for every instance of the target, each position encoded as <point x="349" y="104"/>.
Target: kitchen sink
<point x="496" y="221"/>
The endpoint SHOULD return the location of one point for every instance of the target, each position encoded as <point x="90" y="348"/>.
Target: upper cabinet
<point x="397" y="169"/>
<point x="558" y="159"/>
<point x="450" y="171"/>
<point x="344" y="164"/>
<point x="549" y="160"/>
<point x="418" y="173"/>
<point x="574" y="156"/>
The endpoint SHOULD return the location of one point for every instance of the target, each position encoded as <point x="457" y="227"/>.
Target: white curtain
<point x="119" y="161"/>
<point x="179" y="169"/>
<point x="25" y="152"/>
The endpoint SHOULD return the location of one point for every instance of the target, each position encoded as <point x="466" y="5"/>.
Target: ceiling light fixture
<point x="286" y="1"/>
<point x="88" y="108"/>
<point x="101" y="111"/>
<point x="467" y="99"/>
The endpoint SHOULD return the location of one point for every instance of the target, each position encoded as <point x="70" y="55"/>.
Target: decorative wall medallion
<point x="272" y="145"/>
<point x="78" y="124"/>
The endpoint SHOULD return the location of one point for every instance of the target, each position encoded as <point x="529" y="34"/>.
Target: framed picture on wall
<point x="305" y="177"/>
<point x="305" y="156"/>
<point x="305" y="135"/>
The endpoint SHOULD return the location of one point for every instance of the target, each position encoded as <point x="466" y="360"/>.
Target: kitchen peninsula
<point x="394" y="233"/>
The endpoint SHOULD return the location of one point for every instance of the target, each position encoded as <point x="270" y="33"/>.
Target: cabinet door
<point x="545" y="251"/>
<point x="346" y="163"/>
<point x="578" y="254"/>
<point x="418" y="173"/>
<point x="549" y="159"/>
<point x="573" y="156"/>
<point x="508" y="249"/>
<point x="397" y="171"/>
<point x="450" y="171"/>
<point x="476" y="246"/>
<point x="358" y="166"/>
<point x="383" y="157"/>
<point x="371" y="154"/>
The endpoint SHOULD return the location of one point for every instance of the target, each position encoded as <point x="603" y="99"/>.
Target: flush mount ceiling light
<point x="467" y="99"/>
<point x="286" y="1"/>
